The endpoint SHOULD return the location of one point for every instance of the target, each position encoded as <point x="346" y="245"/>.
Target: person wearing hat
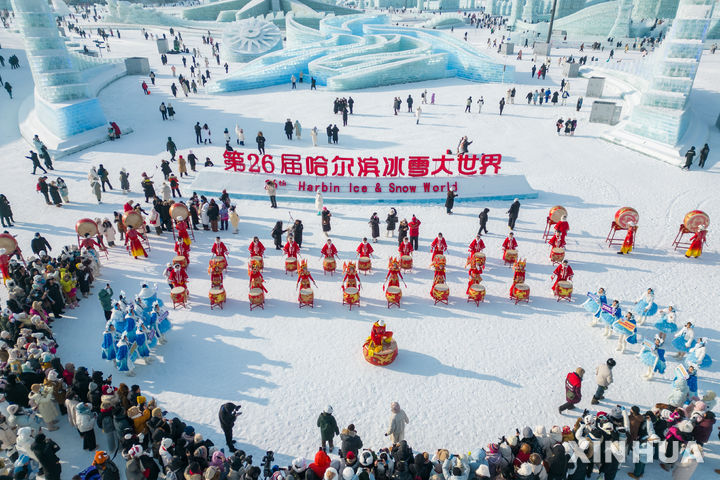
<point x="328" y="428"/>
<point x="398" y="420"/>
<point x="603" y="378"/>
<point x="351" y="441"/>
<point x="513" y="213"/>
<point x="39" y="244"/>
<point x="573" y="389"/>
<point x="228" y="414"/>
<point x="106" y="467"/>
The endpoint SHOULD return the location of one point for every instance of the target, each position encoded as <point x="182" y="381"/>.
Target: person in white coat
<point x="298" y="129"/>
<point x="313" y="135"/>
<point x="418" y="113"/>
<point x="240" y="135"/>
<point x="318" y="202"/>
<point x="93" y="175"/>
<point x="166" y="192"/>
<point x="398" y="420"/>
<point x="108" y="231"/>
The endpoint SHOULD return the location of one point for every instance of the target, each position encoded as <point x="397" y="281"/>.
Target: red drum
<point x="8" y="243"/>
<point x="257" y="298"/>
<point x="217" y="297"/>
<point x="479" y="259"/>
<point x="180" y="259"/>
<point x="179" y="210"/>
<point x="351" y="296"/>
<point x="86" y="225"/>
<point x="179" y="296"/>
<point x="441" y="293"/>
<point x="406" y="262"/>
<point x="329" y="264"/>
<point x="564" y="290"/>
<point x="510" y="256"/>
<point x="290" y="264"/>
<point x="306" y="297"/>
<point x="257" y="261"/>
<point x="519" y="276"/>
<point x="556" y="213"/>
<point x="476" y="293"/>
<point x="364" y="264"/>
<point x="382" y="356"/>
<point x="694" y="219"/>
<point x="393" y="296"/>
<point x="625" y="215"/>
<point x="557" y="254"/>
<point x="520" y="292"/>
<point x="133" y="219"/>
<point x="218" y="262"/>
<point x="440" y="260"/>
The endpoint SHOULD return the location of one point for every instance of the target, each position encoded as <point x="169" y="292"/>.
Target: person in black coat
<point x="81" y="382"/>
<point x="16" y="392"/>
<point x="703" y="155"/>
<point x="403" y="229"/>
<point x="391" y="222"/>
<point x="483" y="217"/>
<point x="450" y="200"/>
<point x="228" y="414"/>
<point x="325" y="220"/>
<point x="374" y="226"/>
<point x="45" y="450"/>
<point x="260" y="139"/>
<point x="289" y="129"/>
<point x="297" y="232"/>
<point x="6" y="212"/>
<point x="513" y="213"/>
<point x="213" y="215"/>
<point x="689" y="155"/>
<point x="36" y="162"/>
<point x="54" y="294"/>
<point x="276" y="234"/>
<point x="39" y="244"/>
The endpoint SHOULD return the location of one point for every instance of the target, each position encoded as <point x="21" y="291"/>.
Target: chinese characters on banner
<point x="412" y="166"/>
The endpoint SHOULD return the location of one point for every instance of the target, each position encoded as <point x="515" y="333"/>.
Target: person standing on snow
<point x="603" y="378"/>
<point x="450" y="200"/>
<point x="313" y="135"/>
<point x="398" y="419"/>
<point x="703" y="155"/>
<point x="228" y="414"/>
<point x="483" y="218"/>
<point x="328" y="428"/>
<point x="414" y="231"/>
<point x="573" y="389"/>
<point x="513" y="213"/>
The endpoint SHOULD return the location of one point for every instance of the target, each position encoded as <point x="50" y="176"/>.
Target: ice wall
<point x="248" y="39"/>
<point x="62" y="98"/>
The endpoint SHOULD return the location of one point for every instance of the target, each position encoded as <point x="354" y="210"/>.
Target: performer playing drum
<point x="438" y="246"/>
<point x="220" y="250"/>
<point x="476" y="246"/>
<point x="133" y="243"/>
<point x="304" y="276"/>
<point x="256" y="248"/>
<point x="351" y="278"/>
<point x="563" y="272"/>
<point x="509" y="248"/>
<point x="328" y="254"/>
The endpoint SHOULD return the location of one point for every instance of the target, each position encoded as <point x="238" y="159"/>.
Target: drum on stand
<point x="476" y="293"/>
<point x="179" y="210"/>
<point x="257" y="298"/>
<point x="218" y="261"/>
<point x="479" y="259"/>
<point x="441" y="293"/>
<point x="564" y="290"/>
<point x="133" y="219"/>
<point x="384" y="357"/>
<point x="217" y="297"/>
<point x="406" y="262"/>
<point x="86" y="226"/>
<point x="181" y="260"/>
<point x="329" y="264"/>
<point x="364" y="264"/>
<point x="510" y="256"/>
<point x="694" y="219"/>
<point x="520" y="292"/>
<point x="556" y="213"/>
<point x="624" y="216"/>
<point x="557" y="254"/>
<point x="257" y="260"/>
<point x="351" y="296"/>
<point x="306" y="297"/>
<point x="393" y="296"/>
<point x="290" y="265"/>
<point x="439" y="260"/>
<point x="179" y="297"/>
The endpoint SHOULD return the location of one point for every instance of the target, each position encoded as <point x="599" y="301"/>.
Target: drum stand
<point x="396" y="304"/>
<point x="678" y="242"/>
<point x="610" y="239"/>
<point x="182" y="303"/>
<point x="302" y="303"/>
<point x="350" y="304"/>
<point x="548" y="230"/>
<point x="261" y="305"/>
<point x="437" y="300"/>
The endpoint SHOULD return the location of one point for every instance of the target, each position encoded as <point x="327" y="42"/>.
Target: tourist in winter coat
<point x="557" y="463"/>
<point x="45" y="450"/>
<point x="703" y="426"/>
<point x="85" y="423"/>
<point x="573" y="389"/>
<point x="483" y="219"/>
<point x="327" y="424"/>
<point x="403" y="229"/>
<point x="63" y="189"/>
<point x="374" y="226"/>
<point x="513" y="213"/>
<point x="55" y="194"/>
<point x="95" y="185"/>
<point x="398" y="419"/>
<point x="228" y="414"/>
<point x="603" y="377"/>
<point x="325" y="220"/>
<point x="296" y="230"/>
<point x="450" y="200"/>
<point x="351" y="441"/>
<point x="390" y="222"/>
<point x="6" y="213"/>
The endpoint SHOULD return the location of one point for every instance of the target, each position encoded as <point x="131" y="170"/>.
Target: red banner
<point x="413" y="166"/>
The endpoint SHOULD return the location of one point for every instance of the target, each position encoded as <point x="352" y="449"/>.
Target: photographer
<point x="228" y="413"/>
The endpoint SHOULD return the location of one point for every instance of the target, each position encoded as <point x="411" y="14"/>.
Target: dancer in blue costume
<point x="626" y="329"/>
<point x="609" y="315"/>
<point x="684" y="340"/>
<point x="698" y="355"/>
<point x="653" y="355"/>
<point x="594" y="304"/>
<point x="109" y="341"/>
<point x="123" y="361"/>
<point x="668" y="320"/>
<point x="645" y="306"/>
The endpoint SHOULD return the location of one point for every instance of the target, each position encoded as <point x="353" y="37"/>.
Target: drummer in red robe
<point x="304" y="276"/>
<point x="557" y="241"/>
<point x="4" y="265"/>
<point x="696" y="242"/>
<point x="365" y="249"/>
<point x="351" y="278"/>
<point x="629" y="241"/>
<point x="379" y="334"/>
<point x="291" y="248"/>
<point x="219" y="249"/>
<point x="256" y="278"/>
<point x="133" y="237"/>
<point x="509" y="243"/>
<point x="438" y="246"/>
<point x="182" y="249"/>
<point x="477" y="245"/>
<point x="562" y="226"/>
<point x="256" y="248"/>
<point x="393" y="276"/>
<point x="329" y="250"/>
<point x="475" y="277"/>
<point x="562" y="272"/>
<point x="128" y="206"/>
<point x="178" y="277"/>
<point x="405" y="247"/>
<point x="181" y="226"/>
<point x="90" y="244"/>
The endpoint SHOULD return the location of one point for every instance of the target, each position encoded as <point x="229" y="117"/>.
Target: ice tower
<point x="662" y="113"/>
<point x="63" y="102"/>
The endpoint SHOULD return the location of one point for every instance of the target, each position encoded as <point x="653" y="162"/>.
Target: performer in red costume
<point x="219" y="249"/>
<point x="393" y="277"/>
<point x="563" y="227"/>
<point x="477" y="245"/>
<point x="133" y="237"/>
<point x="696" y="242"/>
<point x="182" y="228"/>
<point x="378" y="334"/>
<point x="557" y="241"/>
<point x="351" y="278"/>
<point x="475" y="277"/>
<point x="629" y="241"/>
<point x="365" y="249"/>
<point x="291" y="248"/>
<point x="438" y="246"/>
<point x="256" y="248"/>
<point x="562" y="272"/>
<point x="405" y="247"/>
<point x="182" y="249"/>
<point x="90" y="244"/>
<point x="329" y="250"/>
<point x="178" y="277"/>
<point x="256" y="278"/>
<point x="4" y="264"/>
<point x="216" y="275"/>
<point x="509" y="243"/>
<point x="304" y="277"/>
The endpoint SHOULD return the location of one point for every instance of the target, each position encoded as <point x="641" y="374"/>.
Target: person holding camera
<point x="228" y="413"/>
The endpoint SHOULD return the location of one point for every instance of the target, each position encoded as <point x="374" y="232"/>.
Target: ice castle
<point x="63" y="102"/>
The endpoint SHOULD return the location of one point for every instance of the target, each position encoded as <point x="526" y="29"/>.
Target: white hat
<point x="330" y="474"/>
<point x="328" y="409"/>
<point x="166" y="442"/>
<point x="348" y="473"/>
<point x="135" y="451"/>
<point x="365" y="458"/>
<point x="483" y="471"/>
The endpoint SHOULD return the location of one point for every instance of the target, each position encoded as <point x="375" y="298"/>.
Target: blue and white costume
<point x="626" y="329"/>
<point x="698" y="356"/>
<point x="684" y="340"/>
<point x="594" y="304"/>
<point x="668" y="320"/>
<point x="645" y="306"/>
<point x="118" y="319"/>
<point x="653" y="355"/>
<point x="141" y="342"/>
<point x="130" y="325"/>
<point x="124" y="363"/>
<point x="162" y="321"/>
<point x="609" y="315"/>
<point x="108" y="343"/>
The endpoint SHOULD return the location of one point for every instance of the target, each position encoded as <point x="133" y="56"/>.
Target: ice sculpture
<point x="363" y="51"/>
<point x="62" y="99"/>
<point x="121" y="11"/>
<point x="621" y="27"/>
<point x="250" y="38"/>
<point x="662" y="113"/>
<point x="255" y="8"/>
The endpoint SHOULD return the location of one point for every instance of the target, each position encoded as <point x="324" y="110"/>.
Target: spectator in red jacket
<point x="414" y="231"/>
<point x="573" y="389"/>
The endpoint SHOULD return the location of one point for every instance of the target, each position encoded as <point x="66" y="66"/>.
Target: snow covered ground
<point x="465" y="375"/>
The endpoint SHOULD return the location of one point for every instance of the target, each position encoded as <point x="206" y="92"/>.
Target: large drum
<point x="476" y="293"/>
<point x="8" y="243"/>
<point x="218" y="262"/>
<point x="694" y="219"/>
<point x="290" y="264"/>
<point x="257" y="261"/>
<point x="510" y="256"/>
<point x="217" y="297"/>
<point x="351" y="296"/>
<point x="479" y="259"/>
<point x="133" y="219"/>
<point x="257" y="298"/>
<point x="180" y="259"/>
<point x="329" y="264"/>
<point x="520" y="292"/>
<point x="556" y="213"/>
<point x="441" y="293"/>
<point x="406" y="262"/>
<point x="86" y="225"/>
<point x="564" y="289"/>
<point x="306" y="297"/>
<point x="439" y="259"/>
<point x="384" y="357"/>
<point x="364" y="264"/>
<point x="179" y="296"/>
<point x="179" y="210"/>
<point x="393" y="296"/>
<point x="557" y="254"/>
<point x="625" y="215"/>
